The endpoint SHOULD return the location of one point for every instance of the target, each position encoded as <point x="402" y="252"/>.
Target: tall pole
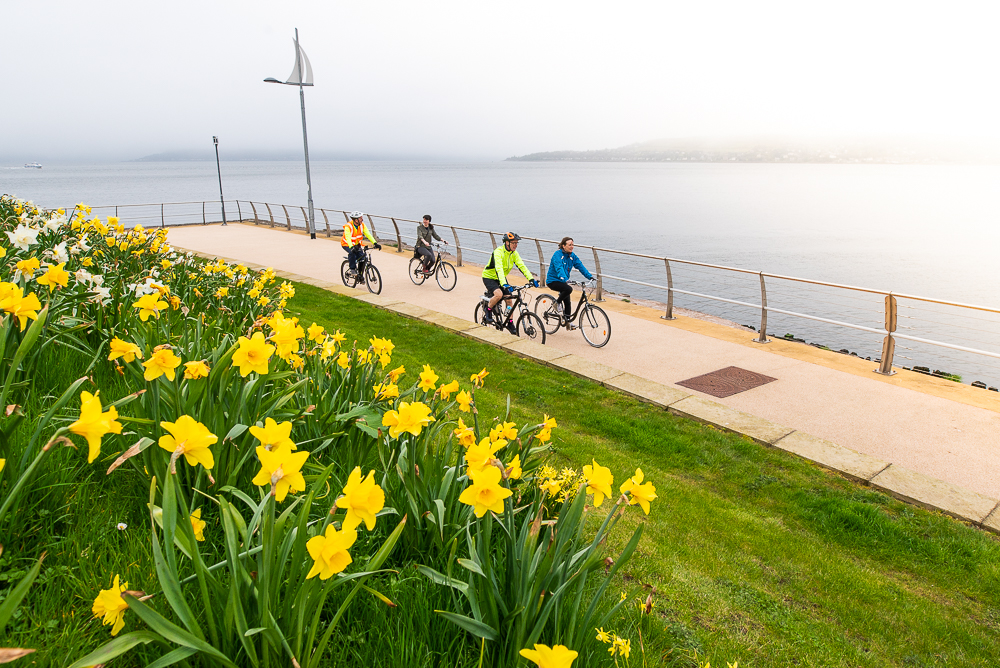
<point x="305" y="139"/>
<point x="222" y="200"/>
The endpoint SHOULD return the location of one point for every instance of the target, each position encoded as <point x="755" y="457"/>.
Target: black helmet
<point x="511" y="236"/>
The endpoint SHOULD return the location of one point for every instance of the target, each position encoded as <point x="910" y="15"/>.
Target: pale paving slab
<point x="730" y="419"/>
<point x="992" y="522"/>
<point x="375" y="300"/>
<point x="646" y="390"/>
<point x="451" y="322"/>
<point x="408" y="310"/>
<point x="854" y="465"/>
<point x="344" y="290"/>
<point x="534" y="351"/>
<point x="935" y="494"/>
<point x="490" y="335"/>
<point x="581" y="366"/>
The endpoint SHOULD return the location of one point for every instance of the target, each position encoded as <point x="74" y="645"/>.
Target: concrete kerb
<point x="897" y="481"/>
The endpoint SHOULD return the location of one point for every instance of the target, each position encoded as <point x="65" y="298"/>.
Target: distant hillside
<point x="695" y="150"/>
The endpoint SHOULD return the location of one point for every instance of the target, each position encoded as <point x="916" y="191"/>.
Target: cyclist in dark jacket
<point x="562" y="263"/>
<point x="422" y="248"/>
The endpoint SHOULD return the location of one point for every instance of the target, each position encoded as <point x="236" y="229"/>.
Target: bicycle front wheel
<point x="547" y="308"/>
<point x="595" y="326"/>
<point x="417" y="271"/>
<point x="447" y="277"/>
<point x="348" y="279"/>
<point x="529" y="326"/>
<point x="373" y="279"/>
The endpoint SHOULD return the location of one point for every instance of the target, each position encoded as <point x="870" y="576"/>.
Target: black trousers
<point x="564" y="292"/>
<point x="353" y="255"/>
<point x="426" y="255"/>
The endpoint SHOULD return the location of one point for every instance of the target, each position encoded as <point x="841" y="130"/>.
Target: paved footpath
<point x="941" y="438"/>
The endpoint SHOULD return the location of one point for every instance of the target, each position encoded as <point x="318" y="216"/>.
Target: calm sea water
<point x="917" y="229"/>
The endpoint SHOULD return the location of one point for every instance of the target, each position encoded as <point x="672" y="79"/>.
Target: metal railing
<point x="897" y="320"/>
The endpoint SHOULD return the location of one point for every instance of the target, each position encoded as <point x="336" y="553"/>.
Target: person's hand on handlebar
<point x="534" y="282"/>
<point x="378" y="246"/>
<point x="508" y="287"/>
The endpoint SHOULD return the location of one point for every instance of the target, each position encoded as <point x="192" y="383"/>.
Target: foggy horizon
<point x="454" y="81"/>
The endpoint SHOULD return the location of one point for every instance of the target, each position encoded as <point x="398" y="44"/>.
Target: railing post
<point x="670" y="293"/>
<point x="270" y="214"/>
<point x="163" y="222"/>
<point x="288" y="219"/>
<point x="327" y="221"/>
<point x="493" y="241"/>
<point x="239" y="211"/>
<point x="203" y="220"/>
<point x="889" y="343"/>
<point x="458" y="248"/>
<point x="303" y="209"/>
<point x="255" y="219"/>
<point x="600" y="279"/>
<point x="541" y="260"/>
<point x="762" y="335"/>
<point x="371" y="226"/>
<point x="399" y="238"/>
<point x="116" y="210"/>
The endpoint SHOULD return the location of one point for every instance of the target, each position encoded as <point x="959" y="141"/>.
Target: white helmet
<point x="356" y="215"/>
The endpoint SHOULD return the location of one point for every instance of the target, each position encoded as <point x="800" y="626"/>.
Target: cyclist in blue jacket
<point x="561" y="264"/>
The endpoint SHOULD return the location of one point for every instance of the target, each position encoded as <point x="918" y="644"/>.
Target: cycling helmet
<point x="356" y="214"/>
<point x="511" y="236"/>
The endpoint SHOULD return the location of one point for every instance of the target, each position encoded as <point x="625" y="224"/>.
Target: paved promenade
<point x="929" y="429"/>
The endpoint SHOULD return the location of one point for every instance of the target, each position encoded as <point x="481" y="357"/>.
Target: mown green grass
<point x="751" y="554"/>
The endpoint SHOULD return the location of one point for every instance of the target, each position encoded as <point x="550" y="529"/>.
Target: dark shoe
<point x="511" y="328"/>
<point x="488" y="317"/>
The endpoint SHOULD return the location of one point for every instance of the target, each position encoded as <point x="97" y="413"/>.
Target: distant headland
<point x="769" y="150"/>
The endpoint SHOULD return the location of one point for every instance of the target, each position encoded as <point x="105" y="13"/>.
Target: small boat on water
<point x="32" y="165"/>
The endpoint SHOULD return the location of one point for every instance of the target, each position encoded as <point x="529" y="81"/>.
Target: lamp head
<point x="215" y="140"/>
<point x="271" y="80"/>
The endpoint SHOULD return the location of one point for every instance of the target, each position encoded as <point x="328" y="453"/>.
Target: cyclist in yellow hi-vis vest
<point x="355" y="233"/>
<point x="495" y="275"/>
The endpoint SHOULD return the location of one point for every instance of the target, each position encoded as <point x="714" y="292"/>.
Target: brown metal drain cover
<point x="726" y="382"/>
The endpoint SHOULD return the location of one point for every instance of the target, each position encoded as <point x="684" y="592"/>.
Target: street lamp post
<point x="302" y="76"/>
<point x="222" y="200"/>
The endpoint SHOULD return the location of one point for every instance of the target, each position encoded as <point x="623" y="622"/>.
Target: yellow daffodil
<point x="328" y="348"/>
<point x="94" y="424"/>
<point x="287" y="290"/>
<point x="163" y="361"/>
<point x="639" y="494"/>
<point x="514" y="468"/>
<point x="480" y="456"/>
<point x="282" y="469"/>
<point x="411" y="418"/>
<point x="549" y="423"/>
<point x="382" y="346"/>
<point x="478" y="378"/>
<point x="466" y="435"/>
<point x="53" y="276"/>
<point x="544" y="656"/>
<point x="273" y="435"/>
<point x="253" y="293"/>
<point x="110" y="605"/>
<point x="19" y="306"/>
<point x="396" y="373"/>
<point x="29" y="267"/>
<point x="195" y="370"/>
<point x="464" y="400"/>
<point x="603" y="635"/>
<point x="264" y="301"/>
<point x="222" y="292"/>
<point x="286" y="337"/>
<point x="485" y="492"/>
<point x="127" y="351"/>
<point x="253" y="354"/>
<point x="343" y="360"/>
<point x="623" y="646"/>
<point x="338" y="337"/>
<point x="364" y="356"/>
<point x="447" y="390"/>
<point x="427" y="378"/>
<point x="190" y="438"/>
<point x="504" y="430"/>
<point x="384" y="360"/>
<point x="544" y="435"/>
<point x="362" y="499"/>
<point x="551" y="486"/>
<point x="330" y="552"/>
<point x="3" y="462"/>
<point x="149" y="305"/>
<point x="599" y="481"/>
<point x="175" y="302"/>
<point x="386" y="391"/>
<point x="198" y="525"/>
<point x="316" y="333"/>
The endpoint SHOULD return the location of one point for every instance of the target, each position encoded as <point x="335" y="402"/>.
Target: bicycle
<point x="592" y="321"/>
<point x="444" y="272"/>
<point x="528" y="324"/>
<point x="366" y="273"/>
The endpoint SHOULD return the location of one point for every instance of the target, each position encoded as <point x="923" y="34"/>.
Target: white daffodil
<point x="59" y="253"/>
<point x="103" y="294"/>
<point x="83" y="276"/>
<point x="97" y="280"/>
<point x="23" y="236"/>
<point x="54" y="223"/>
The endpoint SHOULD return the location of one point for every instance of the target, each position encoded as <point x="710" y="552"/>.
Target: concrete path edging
<point x="901" y="483"/>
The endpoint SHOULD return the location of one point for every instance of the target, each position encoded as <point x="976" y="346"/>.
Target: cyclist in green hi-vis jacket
<point x="503" y="259"/>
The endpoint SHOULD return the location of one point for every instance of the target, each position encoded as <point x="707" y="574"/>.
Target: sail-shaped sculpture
<point x="301" y="63"/>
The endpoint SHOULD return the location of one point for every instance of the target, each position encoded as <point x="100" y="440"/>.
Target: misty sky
<point x="119" y="80"/>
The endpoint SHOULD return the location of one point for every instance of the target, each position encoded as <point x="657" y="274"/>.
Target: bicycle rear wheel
<point x="530" y="326"/>
<point x="349" y="280"/>
<point x="417" y="271"/>
<point x="549" y="310"/>
<point x="373" y="279"/>
<point x="447" y="277"/>
<point x="595" y="325"/>
<point x="479" y="315"/>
